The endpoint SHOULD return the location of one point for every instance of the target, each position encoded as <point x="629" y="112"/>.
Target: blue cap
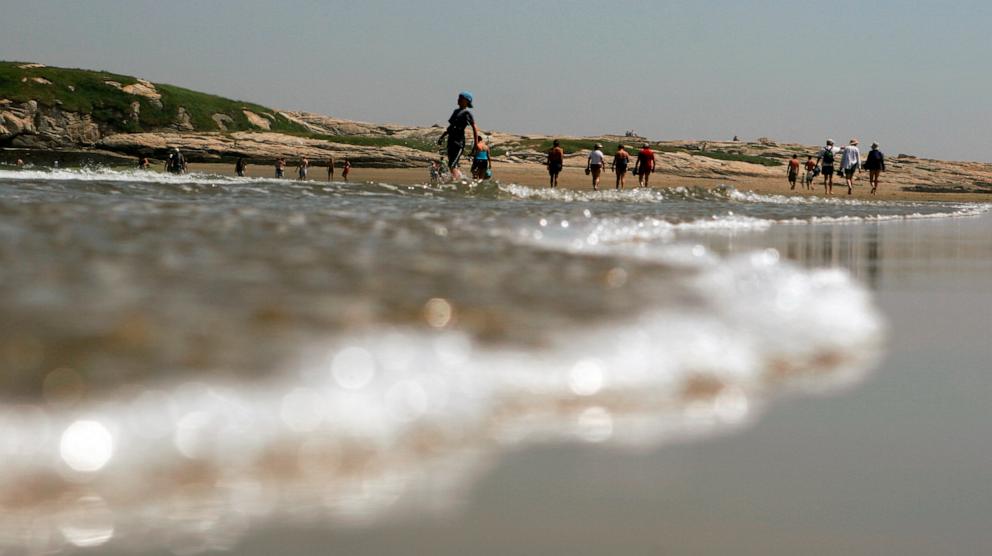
<point x="467" y="96"/>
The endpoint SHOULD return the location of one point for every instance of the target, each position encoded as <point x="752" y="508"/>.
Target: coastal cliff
<point x="71" y="115"/>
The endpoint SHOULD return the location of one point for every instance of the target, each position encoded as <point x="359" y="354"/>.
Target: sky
<point x="913" y="75"/>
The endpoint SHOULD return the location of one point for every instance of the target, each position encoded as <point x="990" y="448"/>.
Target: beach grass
<point x="87" y="92"/>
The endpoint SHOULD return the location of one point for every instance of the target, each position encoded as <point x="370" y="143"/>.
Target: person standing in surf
<point x="345" y="169"/>
<point x="460" y="119"/>
<point x="556" y="160"/>
<point x="303" y="168"/>
<point x="620" y="161"/>
<point x="480" y="163"/>
<point x="330" y="168"/>
<point x="176" y="163"/>
<point x="280" y="167"/>
<point x="240" y="166"/>
<point x="875" y="164"/>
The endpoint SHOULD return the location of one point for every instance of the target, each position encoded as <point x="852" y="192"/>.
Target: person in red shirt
<point x="644" y="165"/>
<point x="793" y="171"/>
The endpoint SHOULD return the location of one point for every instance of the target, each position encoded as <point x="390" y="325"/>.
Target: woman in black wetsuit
<point x="459" y="120"/>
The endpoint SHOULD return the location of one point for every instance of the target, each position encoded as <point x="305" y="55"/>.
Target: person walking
<point x="556" y="161"/>
<point x="644" y="165"/>
<point x="825" y="160"/>
<point x="793" y="171"/>
<point x="330" y="168"/>
<point x="460" y="119"/>
<point x="346" y="169"/>
<point x="850" y="162"/>
<point x="280" y="167"/>
<point x="594" y="165"/>
<point x="875" y="164"/>
<point x="619" y="165"/>
<point x="810" y="172"/>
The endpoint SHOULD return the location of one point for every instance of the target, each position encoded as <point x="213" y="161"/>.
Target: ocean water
<point x="187" y="358"/>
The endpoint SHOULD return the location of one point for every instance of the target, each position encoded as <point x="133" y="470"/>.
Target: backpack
<point x="828" y="157"/>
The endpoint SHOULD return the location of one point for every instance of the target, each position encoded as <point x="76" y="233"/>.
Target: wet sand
<point x="535" y="175"/>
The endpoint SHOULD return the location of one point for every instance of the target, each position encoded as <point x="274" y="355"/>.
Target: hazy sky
<point x="913" y="75"/>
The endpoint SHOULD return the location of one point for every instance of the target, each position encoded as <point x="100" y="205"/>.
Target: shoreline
<point x="574" y="179"/>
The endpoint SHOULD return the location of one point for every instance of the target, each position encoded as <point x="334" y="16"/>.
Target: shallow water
<point x="189" y="357"/>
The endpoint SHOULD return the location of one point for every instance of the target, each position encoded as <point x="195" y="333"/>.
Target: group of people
<point x="644" y="164"/>
<point x="302" y="168"/>
<point x="850" y="164"/>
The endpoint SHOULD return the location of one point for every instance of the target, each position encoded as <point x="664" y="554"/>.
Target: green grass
<point x="86" y="92"/>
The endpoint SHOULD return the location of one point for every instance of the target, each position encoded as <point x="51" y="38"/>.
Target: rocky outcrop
<point x="28" y="125"/>
<point x="183" y="121"/>
<point x="261" y="146"/>
<point x="257" y="121"/>
<point x="222" y="121"/>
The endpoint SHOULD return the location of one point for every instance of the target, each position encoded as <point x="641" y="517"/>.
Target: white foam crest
<point x="627" y="236"/>
<point x="572" y="195"/>
<point x="368" y="419"/>
<point x="956" y="209"/>
<point x="129" y="176"/>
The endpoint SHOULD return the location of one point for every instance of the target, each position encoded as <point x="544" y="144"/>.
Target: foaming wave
<point x="384" y="420"/>
<point x="131" y="175"/>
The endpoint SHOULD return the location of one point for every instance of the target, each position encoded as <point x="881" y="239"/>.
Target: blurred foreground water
<point x="187" y="358"/>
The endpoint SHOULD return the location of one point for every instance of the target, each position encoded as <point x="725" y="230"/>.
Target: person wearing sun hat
<point x="594" y="165"/>
<point x="460" y="119"/>
<point x="850" y="162"/>
<point x="875" y="164"/>
<point x="825" y="160"/>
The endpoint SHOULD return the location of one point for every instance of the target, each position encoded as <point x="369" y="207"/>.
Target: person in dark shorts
<point x="793" y="171"/>
<point x="346" y="169"/>
<point x="875" y="164"/>
<point x="460" y="119"/>
<point x="644" y="165"/>
<point x="619" y="165"/>
<point x="825" y="160"/>
<point x="280" y="167"/>
<point x="330" y="168"/>
<point x="240" y="166"/>
<point x="556" y="160"/>
<point x="480" y="162"/>
<point x="594" y="165"/>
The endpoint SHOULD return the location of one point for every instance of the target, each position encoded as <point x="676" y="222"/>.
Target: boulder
<point x="257" y="121"/>
<point x="183" y="121"/>
<point x="222" y="121"/>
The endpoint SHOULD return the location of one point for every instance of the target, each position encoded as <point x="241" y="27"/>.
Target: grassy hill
<point x="89" y="92"/>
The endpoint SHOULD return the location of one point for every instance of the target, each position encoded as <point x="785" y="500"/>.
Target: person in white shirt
<point x="850" y="162"/>
<point x="594" y="165"/>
